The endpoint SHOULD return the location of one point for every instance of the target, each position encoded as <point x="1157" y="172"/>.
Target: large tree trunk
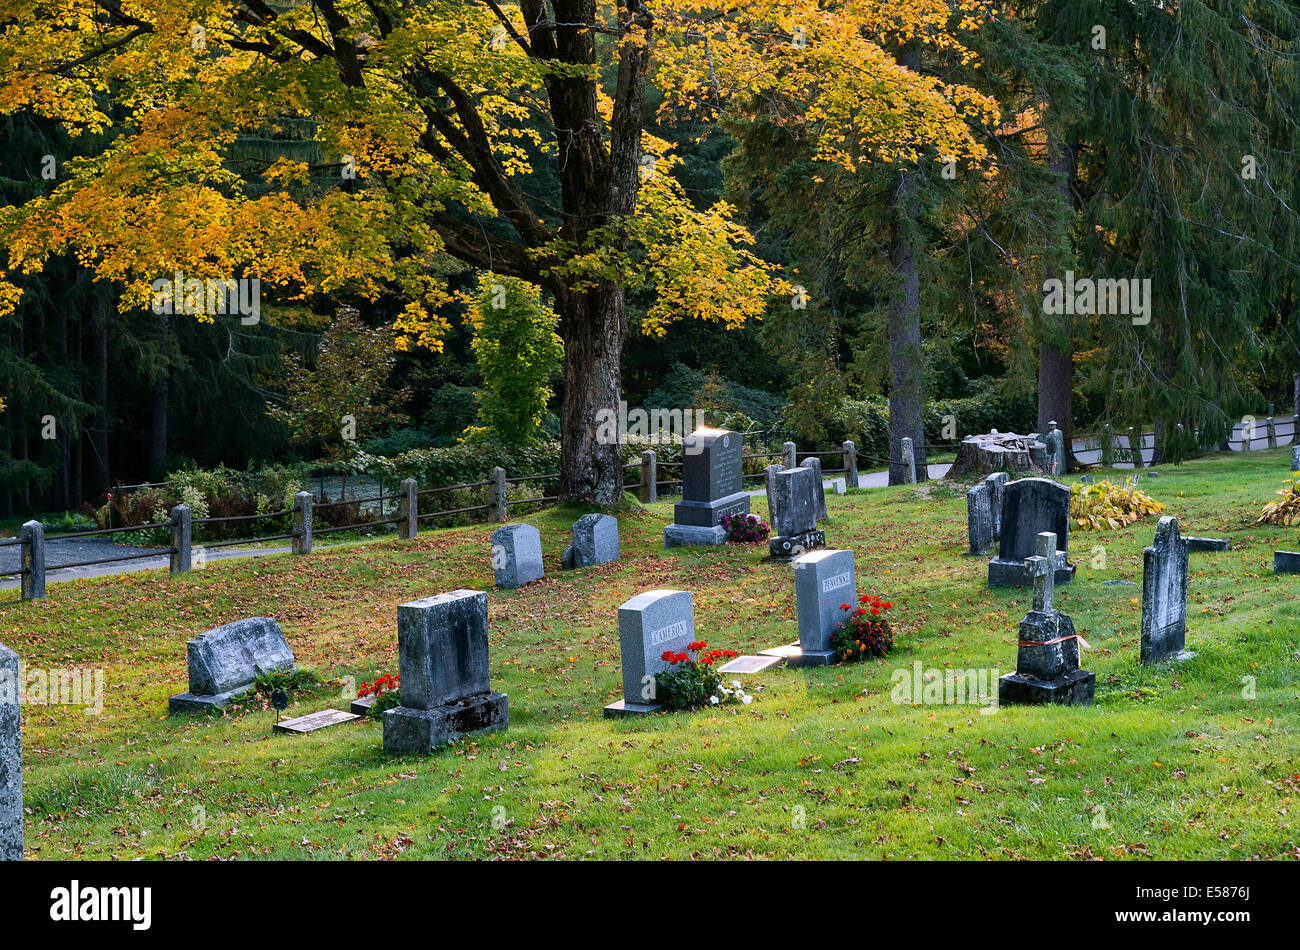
<point x="1056" y="350"/>
<point x="593" y="325"/>
<point x="906" y="360"/>
<point x="599" y="185"/>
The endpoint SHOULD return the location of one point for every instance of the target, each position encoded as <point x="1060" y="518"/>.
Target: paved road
<point x="91" y="549"/>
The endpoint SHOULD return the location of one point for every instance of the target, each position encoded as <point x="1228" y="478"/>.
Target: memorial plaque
<point x="316" y="721"/>
<point x="750" y="664"/>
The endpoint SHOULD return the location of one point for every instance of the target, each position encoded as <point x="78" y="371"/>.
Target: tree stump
<point x="982" y="455"/>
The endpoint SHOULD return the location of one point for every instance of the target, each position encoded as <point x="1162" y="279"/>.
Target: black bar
<point x="354" y="527"/>
<point x="231" y="544"/>
<point x="269" y="514"/>
<point x="455" y="511"/>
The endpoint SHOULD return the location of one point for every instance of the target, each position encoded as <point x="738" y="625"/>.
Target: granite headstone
<point x="711" y="488"/>
<point x="792" y="503"/>
<point x="225" y="661"/>
<point x="517" y="555"/>
<point x="823" y="581"/>
<point x="595" y="541"/>
<point x="1164" y="595"/>
<point x="11" y="758"/>
<point x="1031" y="506"/>
<point x="648" y="625"/>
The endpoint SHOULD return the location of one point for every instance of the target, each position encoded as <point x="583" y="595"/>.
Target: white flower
<point x="736" y="683"/>
<point x="713" y="700"/>
<point x="747" y="699"/>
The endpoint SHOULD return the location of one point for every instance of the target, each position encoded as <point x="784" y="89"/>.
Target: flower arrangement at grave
<point x="692" y="681"/>
<point x="385" y="689"/>
<point x="744" y="528"/>
<point x="1286" y="511"/>
<point x="1106" y="505"/>
<point x="865" y="631"/>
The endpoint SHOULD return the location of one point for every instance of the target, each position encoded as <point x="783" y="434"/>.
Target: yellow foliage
<point x="1105" y="505"/>
<point x="1287" y="510"/>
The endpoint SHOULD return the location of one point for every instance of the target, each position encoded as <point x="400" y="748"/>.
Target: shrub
<point x="744" y="528"/>
<point x="1287" y="510"/>
<point x="692" y="681"/>
<point x="865" y="630"/>
<point x="1105" y="505"/>
<point x="386" y="690"/>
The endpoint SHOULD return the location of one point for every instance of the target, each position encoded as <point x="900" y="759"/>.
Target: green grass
<point x="1171" y="762"/>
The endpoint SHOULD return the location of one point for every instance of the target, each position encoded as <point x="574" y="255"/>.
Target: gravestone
<point x="314" y="722"/>
<point x="840" y="485"/>
<point x="1295" y="457"/>
<point x="517" y="555"/>
<point x="1047" y="655"/>
<point x="11" y="758"/>
<point x="1031" y="506"/>
<point x="1286" y="562"/>
<point x="225" y="661"/>
<point x="1164" y="595"/>
<point x="997" y="483"/>
<point x="750" y="664"/>
<point x="814" y="462"/>
<point x="979" y="518"/>
<point x="823" y="580"/>
<point x="442" y="657"/>
<point x="648" y="625"/>
<point x="1208" y="544"/>
<point x="1055" y="442"/>
<point x="711" y="488"/>
<point x="1085" y="479"/>
<point x="792" y="504"/>
<point x="595" y="541"/>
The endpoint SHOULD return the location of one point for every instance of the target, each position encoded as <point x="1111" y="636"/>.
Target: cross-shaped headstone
<point x="1043" y="568"/>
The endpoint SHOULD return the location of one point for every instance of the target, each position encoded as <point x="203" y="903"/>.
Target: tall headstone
<point x="1031" y="506"/>
<point x="1055" y="442"/>
<point x="11" y="759"/>
<point x="1047" y="656"/>
<point x="1295" y="456"/>
<point x="648" y="625"/>
<point x="1164" y="595"/>
<point x="997" y="483"/>
<point x="225" y="661"/>
<point x="792" y="505"/>
<point x="595" y="541"/>
<point x="711" y="488"/>
<point x="814" y="462"/>
<point x="823" y="582"/>
<point x="979" y="518"/>
<point x="442" y="656"/>
<point x="517" y="555"/>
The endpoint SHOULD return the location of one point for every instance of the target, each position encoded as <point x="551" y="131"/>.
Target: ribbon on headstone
<point x="1043" y="643"/>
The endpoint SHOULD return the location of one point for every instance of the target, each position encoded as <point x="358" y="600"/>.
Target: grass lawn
<point x="1199" y="760"/>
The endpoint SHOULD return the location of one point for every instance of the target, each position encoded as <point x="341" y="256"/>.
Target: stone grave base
<point x="1286" y="562"/>
<point x="314" y="721"/>
<point x="795" y="655"/>
<point x="709" y="514"/>
<point x="623" y="708"/>
<point x="423" y="730"/>
<point x="361" y="707"/>
<point x="784" y="548"/>
<point x="1076" y="688"/>
<point x="1208" y="544"/>
<point x="1016" y="573"/>
<point x="751" y="664"/>
<point x="685" y="535"/>
<point x="183" y="703"/>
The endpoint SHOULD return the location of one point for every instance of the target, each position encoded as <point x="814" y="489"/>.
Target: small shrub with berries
<point x="865" y="631"/>
<point x="692" y="681"/>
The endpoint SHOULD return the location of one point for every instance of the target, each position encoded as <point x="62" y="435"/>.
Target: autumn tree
<point x="440" y="119"/>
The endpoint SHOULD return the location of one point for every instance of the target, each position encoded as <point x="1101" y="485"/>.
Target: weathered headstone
<point x="648" y="625"/>
<point x="997" y="483"/>
<point x="442" y="657"/>
<point x="1031" y="506"/>
<point x="11" y="759"/>
<point x="1208" y="544"/>
<point x="1295" y="457"/>
<point x="823" y="581"/>
<point x="1055" y="442"/>
<point x="792" y="504"/>
<point x="814" y="462"/>
<point x="517" y="555"/>
<point x="1047" y="656"/>
<point x="225" y="661"/>
<point x="1286" y="562"/>
<point x="595" y="541"/>
<point x="711" y="488"/>
<point x="1085" y="479"/>
<point x="1164" y="595"/>
<point x="979" y="518"/>
<point x="840" y="485"/>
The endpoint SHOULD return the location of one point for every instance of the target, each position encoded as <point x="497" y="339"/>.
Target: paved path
<point x="90" y="549"/>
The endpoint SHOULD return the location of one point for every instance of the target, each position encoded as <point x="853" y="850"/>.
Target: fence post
<point x="408" y="510"/>
<point x="182" y="538"/>
<point x="1135" y="447"/>
<point x="649" y="477"/>
<point x="33" y="562"/>
<point x="909" y="461"/>
<point x="498" y="508"/>
<point x="788" y="448"/>
<point x="302" y="522"/>
<point x="1272" y="429"/>
<point x="850" y="463"/>
<point x="1107" y="445"/>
